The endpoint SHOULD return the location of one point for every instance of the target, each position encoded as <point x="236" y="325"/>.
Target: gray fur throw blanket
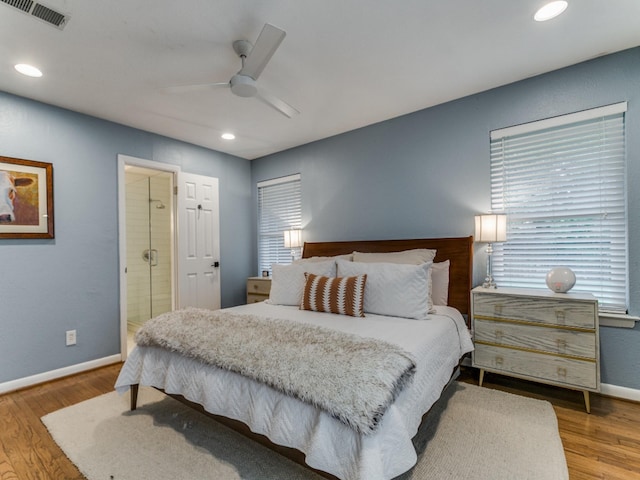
<point x="354" y="379"/>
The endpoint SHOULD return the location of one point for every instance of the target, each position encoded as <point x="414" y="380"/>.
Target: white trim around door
<point x="123" y="161"/>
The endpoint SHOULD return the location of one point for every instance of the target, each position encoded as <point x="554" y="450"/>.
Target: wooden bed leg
<point x="587" y="402"/>
<point x="481" y="377"/>
<point x="134" y="396"/>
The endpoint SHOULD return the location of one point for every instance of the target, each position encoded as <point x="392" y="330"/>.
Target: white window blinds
<point x="561" y="183"/>
<point x="279" y="209"/>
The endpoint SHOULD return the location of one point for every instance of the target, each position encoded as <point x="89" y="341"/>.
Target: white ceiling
<point x="344" y="64"/>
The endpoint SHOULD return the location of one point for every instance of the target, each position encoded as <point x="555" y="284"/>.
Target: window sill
<point x="618" y="320"/>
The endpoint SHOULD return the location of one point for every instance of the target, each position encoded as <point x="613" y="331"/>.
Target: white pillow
<point x="348" y="256"/>
<point x="440" y="283"/>
<point x="287" y="281"/>
<point x="393" y="289"/>
<point x="416" y="256"/>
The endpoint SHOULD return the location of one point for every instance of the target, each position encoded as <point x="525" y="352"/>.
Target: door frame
<point x="123" y="161"/>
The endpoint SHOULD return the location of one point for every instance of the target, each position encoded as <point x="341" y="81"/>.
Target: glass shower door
<point x="149" y="245"/>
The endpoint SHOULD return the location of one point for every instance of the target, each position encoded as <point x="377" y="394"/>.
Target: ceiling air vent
<point x="40" y="11"/>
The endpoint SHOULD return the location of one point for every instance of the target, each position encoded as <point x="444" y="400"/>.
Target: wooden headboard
<point x="459" y="251"/>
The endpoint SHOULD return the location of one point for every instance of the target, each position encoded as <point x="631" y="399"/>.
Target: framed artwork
<point x="26" y="198"/>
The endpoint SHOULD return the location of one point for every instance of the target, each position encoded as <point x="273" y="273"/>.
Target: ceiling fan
<point x="254" y="60"/>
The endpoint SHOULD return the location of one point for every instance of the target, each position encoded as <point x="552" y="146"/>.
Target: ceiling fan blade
<point x="274" y="102"/>
<point x="268" y="42"/>
<point x="198" y="87"/>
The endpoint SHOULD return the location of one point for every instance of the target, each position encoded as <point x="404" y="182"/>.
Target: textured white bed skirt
<point x="329" y="445"/>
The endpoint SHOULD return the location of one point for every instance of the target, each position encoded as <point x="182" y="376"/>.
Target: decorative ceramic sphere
<point x="561" y="279"/>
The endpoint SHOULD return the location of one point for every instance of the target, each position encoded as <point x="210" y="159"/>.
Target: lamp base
<point x="488" y="280"/>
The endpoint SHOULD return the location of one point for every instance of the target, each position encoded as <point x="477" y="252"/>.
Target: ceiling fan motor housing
<point x="243" y="86"/>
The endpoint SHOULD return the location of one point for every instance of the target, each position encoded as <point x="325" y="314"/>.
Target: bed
<point x="378" y="447"/>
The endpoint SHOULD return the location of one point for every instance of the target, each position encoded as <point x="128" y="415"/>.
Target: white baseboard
<point x="620" y="392"/>
<point x="59" y="373"/>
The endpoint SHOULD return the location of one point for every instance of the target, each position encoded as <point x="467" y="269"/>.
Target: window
<point x="561" y="182"/>
<point x="279" y="209"/>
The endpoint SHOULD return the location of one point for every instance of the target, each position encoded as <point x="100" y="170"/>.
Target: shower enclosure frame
<point x="149" y="244"/>
<point x="123" y="162"/>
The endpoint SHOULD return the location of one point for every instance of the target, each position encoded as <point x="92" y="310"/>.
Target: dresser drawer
<point x="540" y="310"/>
<point x="259" y="286"/>
<point x="546" y="339"/>
<point x="579" y="374"/>
<point x="253" y="298"/>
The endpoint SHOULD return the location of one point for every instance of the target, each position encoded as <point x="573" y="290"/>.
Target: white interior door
<point x="199" y="242"/>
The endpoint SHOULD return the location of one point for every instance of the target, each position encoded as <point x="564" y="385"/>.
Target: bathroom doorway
<point x="150" y="245"/>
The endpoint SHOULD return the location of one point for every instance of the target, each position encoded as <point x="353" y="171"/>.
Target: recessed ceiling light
<point x="228" y="136"/>
<point x="28" y="70"/>
<point x="550" y="10"/>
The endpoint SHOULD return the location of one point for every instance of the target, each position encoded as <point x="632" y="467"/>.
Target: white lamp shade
<point x="491" y="228"/>
<point x="292" y="238"/>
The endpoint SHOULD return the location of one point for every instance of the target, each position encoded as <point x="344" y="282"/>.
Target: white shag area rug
<point x="470" y="433"/>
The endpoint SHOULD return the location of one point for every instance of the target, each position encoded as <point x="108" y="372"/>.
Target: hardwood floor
<point x="26" y="450"/>
<point x="602" y="445"/>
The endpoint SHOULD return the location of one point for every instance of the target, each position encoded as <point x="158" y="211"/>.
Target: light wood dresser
<point x="537" y="335"/>
<point x="258" y="289"/>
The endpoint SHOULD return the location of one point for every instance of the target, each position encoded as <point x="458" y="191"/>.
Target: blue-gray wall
<point x="72" y="282"/>
<point x="426" y="174"/>
<point x="420" y="175"/>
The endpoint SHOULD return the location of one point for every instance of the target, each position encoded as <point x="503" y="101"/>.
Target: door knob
<point x="215" y="264"/>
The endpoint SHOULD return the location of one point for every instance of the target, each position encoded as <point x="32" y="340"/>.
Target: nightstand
<point x="258" y="289"/>
<point x="537" y="335"/>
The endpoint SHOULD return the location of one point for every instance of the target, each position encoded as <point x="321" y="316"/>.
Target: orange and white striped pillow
<point x="341" y="295"/>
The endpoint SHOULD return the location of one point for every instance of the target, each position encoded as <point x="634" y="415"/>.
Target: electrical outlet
<point x="71" y="337"/>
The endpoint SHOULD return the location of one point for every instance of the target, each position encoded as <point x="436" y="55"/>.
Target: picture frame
<point x="26" y="199"/>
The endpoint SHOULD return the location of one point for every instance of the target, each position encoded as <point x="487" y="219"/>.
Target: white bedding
<point x="329" y="445"/>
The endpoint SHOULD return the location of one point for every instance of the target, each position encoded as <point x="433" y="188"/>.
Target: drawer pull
<point x="561" y="316"/>
<point x="499" y="334"/>
<point x="497" y="308"/>
<point x="562" y="372"/>
<point x="562" y="344"/>
<point x="499" y="361"/>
